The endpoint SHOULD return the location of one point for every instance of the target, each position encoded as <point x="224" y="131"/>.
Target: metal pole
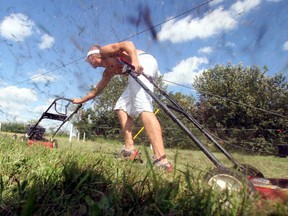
<point x="71" y="131"/>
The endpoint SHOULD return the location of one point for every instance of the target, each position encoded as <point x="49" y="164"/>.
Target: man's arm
<point x="118" y="48"/>
<point x="106" y="78"/>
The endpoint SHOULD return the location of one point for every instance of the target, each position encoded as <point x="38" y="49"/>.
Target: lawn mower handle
<point x="129" y="68"/>
<point x="63" y="98"/>
<point x="68" y="117"/>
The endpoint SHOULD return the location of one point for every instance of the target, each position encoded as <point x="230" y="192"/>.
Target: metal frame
<point x="59" y="116"/>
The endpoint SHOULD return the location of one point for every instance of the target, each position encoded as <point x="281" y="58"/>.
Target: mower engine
<point x="35" y="133"/>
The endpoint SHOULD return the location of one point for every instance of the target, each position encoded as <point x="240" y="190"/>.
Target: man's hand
<point x="138" y="69"/>
<point x="77" y="101"/>
<point x="135" y="66"/>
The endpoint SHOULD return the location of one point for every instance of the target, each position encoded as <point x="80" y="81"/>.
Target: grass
<point x="270" y="166"/>
<point x="85" y="178"/>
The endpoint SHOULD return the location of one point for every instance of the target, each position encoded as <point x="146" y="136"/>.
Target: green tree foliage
<point x="173" y="135"/>
<point x="101" y="119"/>
<point x="14" y="127"/>
<point x="234" y="97"/>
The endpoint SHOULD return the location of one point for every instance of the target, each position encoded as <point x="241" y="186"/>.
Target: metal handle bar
<point x="66" y="119"/>
<point x="66" y="106"/>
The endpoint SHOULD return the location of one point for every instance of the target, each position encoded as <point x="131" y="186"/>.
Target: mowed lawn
<point x="91" y="177"/>
<point x="270" y="166"/>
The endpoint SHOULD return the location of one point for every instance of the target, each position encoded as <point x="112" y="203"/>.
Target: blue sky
<point x="43" y="43"/>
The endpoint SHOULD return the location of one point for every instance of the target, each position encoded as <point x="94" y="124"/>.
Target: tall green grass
<point x="87" y="179"/>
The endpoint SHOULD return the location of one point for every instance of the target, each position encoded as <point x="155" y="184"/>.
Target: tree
<point x="173" y="135"/>
<point x="14" y="127"/>
<point x="234" y="97"/>
<point x="101" y="120"/>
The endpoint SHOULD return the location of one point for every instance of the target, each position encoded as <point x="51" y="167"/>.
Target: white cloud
<point x="285" y="46"/>
<point x="16" y="27"/>
<point x="42" y="108"/>
<point x="206" y="50"/>
<point x="215" y="2"/>
<point x="189" y="28"/>
<point x="46" y="41"/>
<point x="41" y="77"/>
<point x="186" y="70"/>
<point x="213" y="23"/>
<point x="2" y="82"/>
<point x="230" y="44"/>
<point x="13" y="101"/>
<point x="14" y="94"/>
<point x="244" y="6"/>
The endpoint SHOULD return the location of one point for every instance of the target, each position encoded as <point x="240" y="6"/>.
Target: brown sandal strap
<point x="159" y="159"/>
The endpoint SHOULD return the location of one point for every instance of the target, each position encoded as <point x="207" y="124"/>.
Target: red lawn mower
<point x="61" y="109"/>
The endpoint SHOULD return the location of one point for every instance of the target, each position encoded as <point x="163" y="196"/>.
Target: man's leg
<point x="126" y="125"/>
<point x="154" y="133"/>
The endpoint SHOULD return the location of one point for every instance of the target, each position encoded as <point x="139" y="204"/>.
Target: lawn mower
<point x="237" y="178"/>
<point x="61" y="109"/>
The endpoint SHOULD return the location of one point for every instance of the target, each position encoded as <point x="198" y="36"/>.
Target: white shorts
<point x="134" y="99"/>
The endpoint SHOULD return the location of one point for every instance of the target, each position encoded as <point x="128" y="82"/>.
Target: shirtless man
<point x="134" y="101"/>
